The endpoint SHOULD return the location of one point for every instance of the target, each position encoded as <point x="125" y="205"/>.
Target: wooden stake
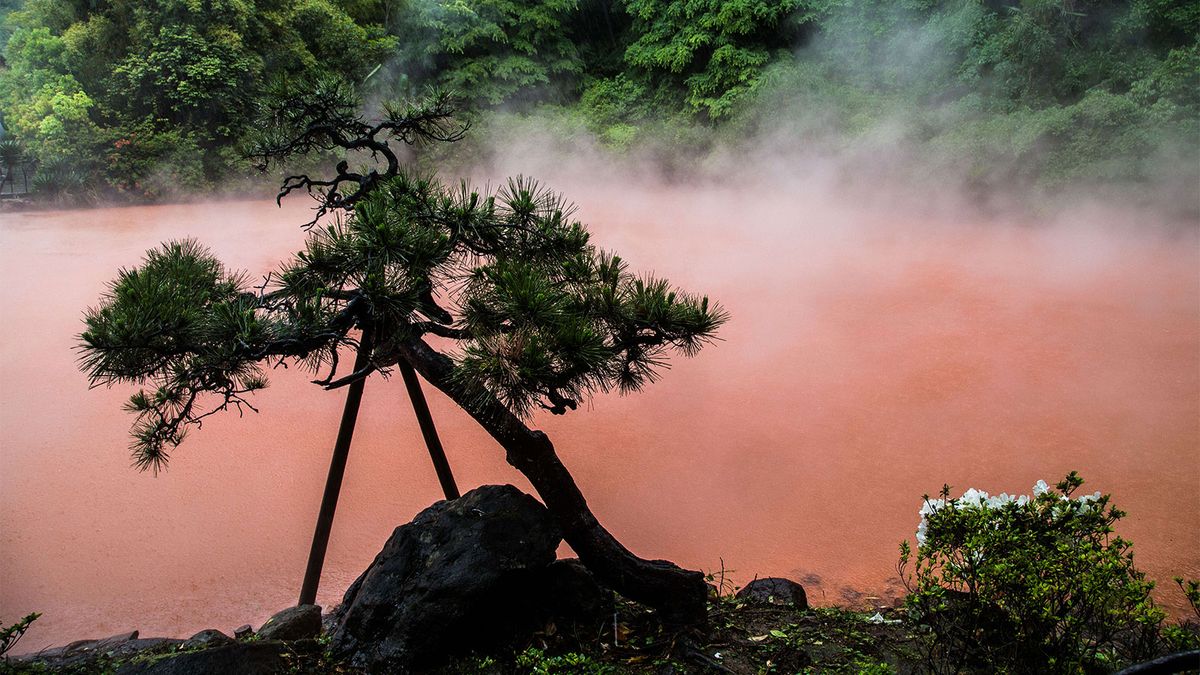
<point x="337" y="469"/>
<point x="438" y="454"/>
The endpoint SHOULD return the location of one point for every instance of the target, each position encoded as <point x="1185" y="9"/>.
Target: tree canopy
<point x="120" y="91"/>
<point x="139" y="98"/>
<point x="490" y="51"/>
<point x="541" y="316"/>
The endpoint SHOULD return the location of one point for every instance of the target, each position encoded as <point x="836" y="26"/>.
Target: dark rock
<point x="143" y="644"/>
<point x="329" y="621"/>
<point x="243" y="631"/>
<point x="774" y="591"/>
<point x="456" y="578"/>
<point x="72" y="651"/>
<point x="293" y="623"/>
<point x="95" y="646"/>
<point x="207" y="638"/>
<point x="264" y="657"/>
<point x="569" y="592"/>
<point x="81" y="652"/>
<point x="1180" y="662"/>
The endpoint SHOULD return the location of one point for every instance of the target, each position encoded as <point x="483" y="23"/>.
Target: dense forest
<point x="147" y="99"/>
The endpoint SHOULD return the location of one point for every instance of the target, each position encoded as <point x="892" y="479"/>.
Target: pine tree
<point x="536" y="316"/>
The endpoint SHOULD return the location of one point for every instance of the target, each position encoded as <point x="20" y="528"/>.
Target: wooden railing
<point x="15" y="182"/>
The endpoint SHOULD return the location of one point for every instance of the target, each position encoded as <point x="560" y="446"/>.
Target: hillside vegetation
<point x="146" y="99"/>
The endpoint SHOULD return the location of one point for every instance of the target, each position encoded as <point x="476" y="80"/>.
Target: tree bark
<point x="679" y="595"/>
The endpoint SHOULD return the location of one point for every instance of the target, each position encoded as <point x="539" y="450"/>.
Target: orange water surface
<point x="873" y="355"/>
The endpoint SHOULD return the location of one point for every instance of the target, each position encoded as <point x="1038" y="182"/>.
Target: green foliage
<point x="714" y="51"/>
<point x="12" y="154"/>
<point x="535" y="662"/>
<point x="608" y="105"/>
<point x="833" y="640"/>
<point x="1037" y="584"/>
<point x="153" y="164"/>
<point x="58" y="179"/>
<point x="490" y="51"/>
<point x="43" y="105"/>
<point x="327" y="39"/>
<point x="181" y="323"/>
<point x="552" y="319"/>
<point x="1102" y="91"/>
<point x="1191" y="591"/>
<point x="9" y="635"/>
<point x="185" y="78"/>
<point x="545" y="318"/>
<point x="156" y="73"/>
<point x="1186" y="635"/>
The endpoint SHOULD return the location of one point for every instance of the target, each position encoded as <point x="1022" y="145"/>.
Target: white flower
<point x="1040" y="488"/>
<point x="1085" y="502"/>
<point x="972" y="497"/>
<point x="1000" y="500"/>
<point x="1022" y="500"/>
<point x="878" y="618"/>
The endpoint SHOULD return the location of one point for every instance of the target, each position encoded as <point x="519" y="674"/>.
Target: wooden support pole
<point x="337" y="469"/>
<point x="438" y="454"/>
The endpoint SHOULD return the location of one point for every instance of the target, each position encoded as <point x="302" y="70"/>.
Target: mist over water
<point x="882" y="343"/>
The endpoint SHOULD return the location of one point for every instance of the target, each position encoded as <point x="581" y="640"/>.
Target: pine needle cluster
<point x="506" y="282"/>
<point x="183" y="324"/>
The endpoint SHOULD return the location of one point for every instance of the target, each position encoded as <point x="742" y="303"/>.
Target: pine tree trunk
<point x="679" y="594"/>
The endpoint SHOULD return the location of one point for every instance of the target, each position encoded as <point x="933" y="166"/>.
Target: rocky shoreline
<point x="473" y="585"/>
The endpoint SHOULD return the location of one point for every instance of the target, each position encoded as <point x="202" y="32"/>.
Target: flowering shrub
<point x="1028" y="583"/>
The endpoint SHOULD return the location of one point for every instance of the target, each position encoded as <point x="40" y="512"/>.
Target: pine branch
<point x="324" y="117"/>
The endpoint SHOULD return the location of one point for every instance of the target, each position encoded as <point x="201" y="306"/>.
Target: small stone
<point x="265" y="657"/>
<point x="293" y="623"/>
<point x="207" y="638"/>
<point x="329" y="621"/>
<point x="76" y="647"/>
<point x="774" y="591"/>
<point x="99" y="646"/>
<point x="244" y="631"/>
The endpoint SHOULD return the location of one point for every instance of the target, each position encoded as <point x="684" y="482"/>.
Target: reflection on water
<point x="870" y="359"/>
